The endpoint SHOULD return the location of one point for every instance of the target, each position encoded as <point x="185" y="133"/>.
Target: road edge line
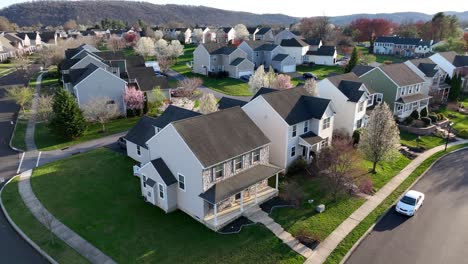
<point x="13" y="134"/>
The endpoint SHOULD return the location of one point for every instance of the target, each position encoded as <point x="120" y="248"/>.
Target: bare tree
<point x="44" y="108"/>
<point x="22" y="65"/>
<point x="208" y="103"/>
<point x="340" y="164"/>
<point x="145" y="47"/>
<point x="188" y="87"/>
<point x="380" y="139"/>
<point x="115" y="43"/>
<point x="101" y="110"/>
<point x="21" y="95"/>
<point x="164" y="63"/>
<point x="240" y="32"/>
<point x="311" y="87"/>
<point x="315" y="27"/>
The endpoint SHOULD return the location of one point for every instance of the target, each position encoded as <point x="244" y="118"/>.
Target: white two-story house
<point x="268" y="54"/>
<point x="295" y="48"/>
<point x="297" y="124"/>
<point x="212" y="167"/>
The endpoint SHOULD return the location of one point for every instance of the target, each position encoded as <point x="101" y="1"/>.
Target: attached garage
<point x="241" y="67"/>
<point x="283" y="63"/>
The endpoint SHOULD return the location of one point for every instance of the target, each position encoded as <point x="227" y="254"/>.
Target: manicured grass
<point x="173" y="83"/>
<point x="460" y="120"/>
<point x="426" y="142"/>
<point x="45" y="140"/>
<point x="336" y="212"/>
<point x="180" y="66"/>
<point x="321" y="71"/>
<point x="383" y="58"/>
<point x="100" y="199"/>
<point x="23" y="218"/>
<point x="20" y="134"/>
<point x="337" y="255"/>
<point x="49" y="83"/>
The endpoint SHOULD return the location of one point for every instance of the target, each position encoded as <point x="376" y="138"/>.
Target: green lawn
<point x="23" y="218"/>
<point x="323" y="224"/>
<point x="50" y="82"/>
<point x="180" y="66"/>
<point x="100" y="199"/>
<point x="383" y="58"/>
<point x="460" y="120"/>
<point x="45" y="140"/>
<point x="321" y="71"/>
<point x="20" y="134"/>
<point x="426" y="142"/>
<point x="342" y="249"/>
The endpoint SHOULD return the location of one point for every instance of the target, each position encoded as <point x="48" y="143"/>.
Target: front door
<point x="304" y="151"/>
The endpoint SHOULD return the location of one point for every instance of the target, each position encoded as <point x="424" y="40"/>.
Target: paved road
<point x="438" y="233"/>
<point x="13" y="249"/>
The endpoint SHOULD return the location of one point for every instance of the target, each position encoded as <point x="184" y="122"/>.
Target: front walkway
<point x="324" y="249"/>
<point x="255" y="214"/>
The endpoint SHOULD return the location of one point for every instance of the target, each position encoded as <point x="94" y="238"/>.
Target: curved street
<point x="438" y="233"/>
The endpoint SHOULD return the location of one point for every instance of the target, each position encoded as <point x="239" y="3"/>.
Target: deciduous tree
<point x="158" y="34"/>
<point x="188" y="87"/>
<point x="368" y="59"/>
<point x="101" y="110"/>
<point x="311" y="87"/>
<point x="256" y="81"/>
<point x="44" y="111"/>
<point x="134" y="99"/>
<point x="380" y="139"/>
<point x="145" y="47"/>
<point x="162" y="48"/>
<point x="115" y="43"/>
<point x="197" y="35"/>
<point x="164" y="63"/>
<point x="175" y="49"/>
<point x="282" y="81"/>
<point x="21" y="95"/>
<point x="241" y="32"/>
<point x="208" y="103"/>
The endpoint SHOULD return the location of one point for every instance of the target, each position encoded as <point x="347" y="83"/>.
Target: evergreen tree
<point x="68" y="121"/>
<point x="455" y="82"/>
<point x="352" y="61"/>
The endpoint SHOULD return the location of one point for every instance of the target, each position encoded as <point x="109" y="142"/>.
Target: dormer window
<point x="256" y="155"/>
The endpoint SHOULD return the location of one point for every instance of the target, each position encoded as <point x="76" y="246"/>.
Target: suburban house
<point x="268" y="54"/>
<point x="297" y="124"/>
<point x="349" y="96"/>
<point x="402" y="89"/>
<point x="375" y="98"/>
<point x="212" y="167"/>
<point x="147" y="127"/>
<point x="225" y="34"/>
<point x="209" y="35"/>
<point x="453" y="64"/>
<point x="434" y="77"/>
<point x="7" y="49"/>
<point x="407" y="47"/>
<point x="49" y="38"/>
<point x="217" y="57"/>
<point x="252" y="31"/>
<point x="284" y="34"/>
<point x="19" y="44"/>
<point x="265" y="34"/>
<point x="325" y="55"/>
<point x="296" y="48"/>
<point x="314" y="44"/>
<point x="30" y="38"/>
<point x="184" y="34"/>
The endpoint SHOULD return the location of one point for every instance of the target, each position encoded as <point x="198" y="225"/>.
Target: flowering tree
<point x="241" y="32"/>
<point x="134" y="99"/>
<point x="256" y="81"/>
<point x="130" y="38"/>
<point x="115" y="43"/>
<point x="164" y="63"/>
<point x="158" y="34"/>
<point x="145" y="47"/>
<point x="311" y="87"/>
<point x="208" y="103"/>
<point x="175" y="49"/>
<point x="44" y="110"/>
<point x="188" y="87"/>
<point x="100" y="110"/>
<point x="161" y="48"/>
<point x="282" y="81"/>
<point x="197" y="35"/>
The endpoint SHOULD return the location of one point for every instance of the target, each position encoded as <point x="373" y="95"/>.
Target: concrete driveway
<point x="438" y="233"/>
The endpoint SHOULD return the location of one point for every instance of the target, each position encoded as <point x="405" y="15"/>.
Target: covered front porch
<point x="310" y="144"/>
<point x="227" y="200"/>
<point x="407" y="104"/>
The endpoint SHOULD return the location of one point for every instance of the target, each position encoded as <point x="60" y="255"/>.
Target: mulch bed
<point x="236" y="225"/>
<point x="276" y="201"/>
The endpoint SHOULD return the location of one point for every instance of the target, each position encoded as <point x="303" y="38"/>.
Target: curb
<point x="20" y="232"/>
<point x="353" y="248"/>
<point x="13" y="134"/>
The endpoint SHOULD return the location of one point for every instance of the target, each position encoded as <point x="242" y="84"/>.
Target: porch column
<point x="216" y="214"/>
<point x="242" y="201"/>
<point x="256" y="200"/>
<point x="276" y="183"/>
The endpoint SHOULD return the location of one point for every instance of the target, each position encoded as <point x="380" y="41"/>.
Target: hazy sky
<point x="301" y="8"/>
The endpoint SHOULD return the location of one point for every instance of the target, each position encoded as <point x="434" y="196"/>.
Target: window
<point x="149" y="194"/>
<point x="144" y="181"/>
<point x="249" y="158"/>
<point x="324" y="143"/>
<point x="359" y="123"/>
<point x="418" y="88"/>
<point x="410" y="91"/>
<point x="182" y="182"/>
<point x="326" y="123"/>
<point x="218" y="171"/>
<point x="138" y="151"/>
<point x="402" y="91"/>
<point x="238" y="163"/>
<point x="256" y="155"/>
<point x="306" y="126"/>
<point x="294" y="133"/>
<point x="161" y="191"/>
<point x="360" y="106"/>
<point x="293" y="151"/>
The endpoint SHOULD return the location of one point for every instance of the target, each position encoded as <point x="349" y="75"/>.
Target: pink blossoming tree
<point x="134" y="99"/>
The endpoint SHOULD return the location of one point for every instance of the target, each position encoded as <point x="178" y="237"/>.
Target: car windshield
<point x="408" y="200"/>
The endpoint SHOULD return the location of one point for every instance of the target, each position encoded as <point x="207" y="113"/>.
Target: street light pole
<point x="448" y="135"/>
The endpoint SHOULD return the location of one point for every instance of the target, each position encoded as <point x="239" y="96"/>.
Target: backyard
<point x="100" y="199"/>
<point x="383" y="58"/>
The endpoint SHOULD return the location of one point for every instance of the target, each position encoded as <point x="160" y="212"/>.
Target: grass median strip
<point x="347" y="243"/>
<point x="23" y="218"/>
<point x="19" y="135"/>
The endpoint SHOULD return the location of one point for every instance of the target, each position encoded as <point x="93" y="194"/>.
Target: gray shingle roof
<point x="401" y="74"/>
<point x="263" y="30"/>
<point x="280" y="57"/>
<point x="164" y="171"/>
<point x="399" y="40"/>
<point x="266" y="47"/>
<point x="311" y="138"/>
<point x="293" y="42"/>
<point x="221" y="135"/>
<point x="412" y="98"/>
<point x="251" y="30"/>
<point x="66" y="64"/>
<point x="460" y="61"/>
<point x="295" y="105"/>
<point x="173" y="113"/>
<point x="254" y="43"/>
<point x="323" y="51"/>
<point x="226" y="102"/>
<point x="313" y="42"/>
<point x="237" y="61"/>
<point x="349" y="85"/>
<point x="263" y="90"/>
<point x="142" y="131"/>
<point x="218" y="48"/>
<point x="77" y="75"/>
<point x="233" y="185"/>
<point x="359" y="70"/>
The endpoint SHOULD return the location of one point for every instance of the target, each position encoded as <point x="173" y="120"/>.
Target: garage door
<point x="245" y="73"/>
<point x="289" y="68"/>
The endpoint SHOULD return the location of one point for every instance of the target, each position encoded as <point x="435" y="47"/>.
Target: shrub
<point x="357" y="136"/>
<point x="433" y="118"/>
<point x="388" y="62"/>
<point x="298" y="165"/>
<point x="366" y="186"/>
<point x="8" y="60"/>
<point x="441" y="116"/>
<point x="463" y="133"/>
<point x="424" y="112"/>
<point x="306" y="236"/>
<point x="415" y="115"/>
<point x="426" y="120"/>
<point x="409" y="120"/>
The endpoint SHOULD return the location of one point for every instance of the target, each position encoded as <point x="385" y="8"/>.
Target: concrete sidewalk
<point x="324" y="249"/>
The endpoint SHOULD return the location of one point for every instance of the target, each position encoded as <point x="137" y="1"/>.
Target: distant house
<point x="49" y="38"/>
<point x="7" y="49"/>
<point x="350" y="97"/>
<point x="407" y="47"/>
<point x="402" y="89"/>
<point x="296" y="48"/>
<point x="325" y="55"/>
<point x="265" y="34"/>
<point x="212" y="167"/>
<point x="225" y="34"/>
<point x="217" y="57"/>
<point x="297" y="124"/>
<point x="268" y="54"/>
<point x="453" y="64"/>
<point x="252" y="31"/>
<point x="209" y="35"/>
<point x="284" y="34"/>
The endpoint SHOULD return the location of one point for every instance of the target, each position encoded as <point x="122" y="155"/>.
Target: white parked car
<point x="410" y="203"/>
